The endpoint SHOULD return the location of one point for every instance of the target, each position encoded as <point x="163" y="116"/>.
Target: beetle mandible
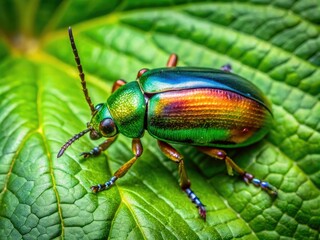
<point x="206" y="108"/>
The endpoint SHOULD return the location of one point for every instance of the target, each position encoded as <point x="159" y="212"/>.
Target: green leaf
<point x="274" y="44"/>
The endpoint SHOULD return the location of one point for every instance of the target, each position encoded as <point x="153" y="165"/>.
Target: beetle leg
<point x="175" y="156"/>
<point x="247" y="177"/>
<point x="173" y="60"/>
<point x="227" y="68"/>
<point x="137" y="150"/>
<point x="118" y="84"/>
<point x="97" y="150"/>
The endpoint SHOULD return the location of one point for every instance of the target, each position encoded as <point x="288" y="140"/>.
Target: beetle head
<point x="102" y="123"/>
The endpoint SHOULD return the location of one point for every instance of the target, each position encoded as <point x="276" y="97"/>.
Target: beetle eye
<point x="94" y="135"/>
<point x="107" y="127"/>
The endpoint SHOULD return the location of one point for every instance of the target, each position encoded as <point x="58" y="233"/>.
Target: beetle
<point x="203" y="107"/>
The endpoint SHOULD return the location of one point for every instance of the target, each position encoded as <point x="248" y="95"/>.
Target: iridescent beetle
<point x="202" y="107"/>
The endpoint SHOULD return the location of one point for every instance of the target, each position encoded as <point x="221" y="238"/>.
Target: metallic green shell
<point x="204" y="107"/>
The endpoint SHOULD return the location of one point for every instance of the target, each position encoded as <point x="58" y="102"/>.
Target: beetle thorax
<point x="128" y="108"/>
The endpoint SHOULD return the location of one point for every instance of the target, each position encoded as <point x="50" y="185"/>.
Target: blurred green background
<point x="274" y="44"/>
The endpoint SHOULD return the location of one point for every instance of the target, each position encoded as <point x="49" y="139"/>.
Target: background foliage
<point x="274" y="44"/>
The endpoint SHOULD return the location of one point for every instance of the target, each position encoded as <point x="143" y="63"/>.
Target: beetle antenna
<point x="81" y="74"/>
<point x="71" y="140"/>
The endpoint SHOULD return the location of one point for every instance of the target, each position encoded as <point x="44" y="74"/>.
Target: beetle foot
<point x="94" y="152"/>
<point x="202" y="212"/>
<point x="196" y="200"/>
<point x="104" y="186"/>
<point x="249" y="178"/>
